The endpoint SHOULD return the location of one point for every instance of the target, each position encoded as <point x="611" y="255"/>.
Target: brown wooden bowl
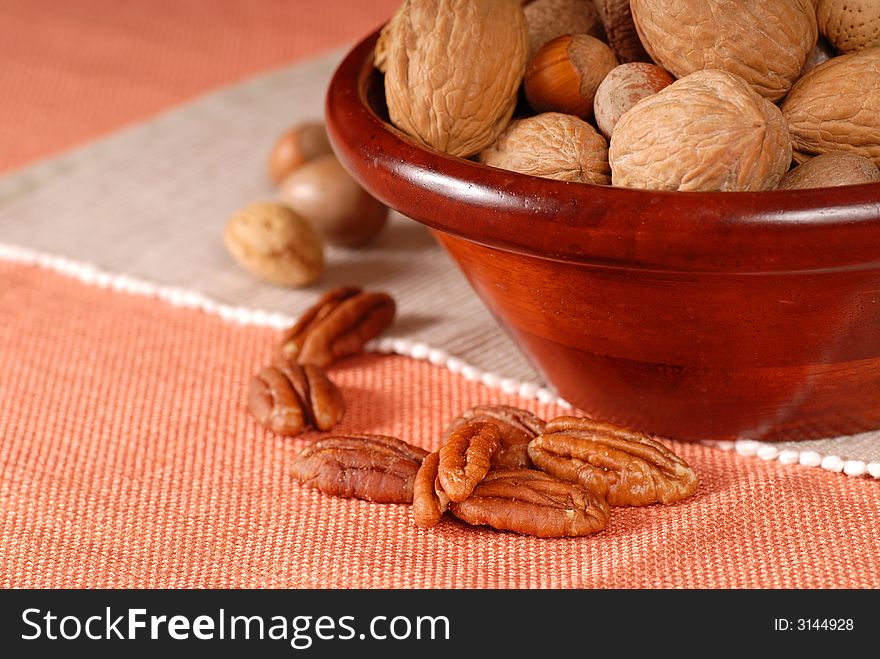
<point x="693" y="315"/>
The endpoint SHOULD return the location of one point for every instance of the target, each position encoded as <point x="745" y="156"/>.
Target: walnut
<point x="831" y="170"/>
<point x="549" y="19"/>
<point x="453" y="70"/>
<point x="552" y="145"/>
<point x="765" y="42"/>
<point x="836" y="107"/>
<point x="707" y="131"/>
<point x="850" y="25"/>
<point x="625" y="86"/>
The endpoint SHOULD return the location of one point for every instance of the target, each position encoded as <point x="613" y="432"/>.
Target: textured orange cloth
<point x="128" y="458"/>
<point x="74" y="70"/>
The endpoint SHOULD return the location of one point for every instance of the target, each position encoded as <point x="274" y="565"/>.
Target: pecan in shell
<point x="339" y="325"/>
<point x="465" y="458"/>
<point x="518" y="427"/>
<point x="288" y="398"/>
<point x="532" y="502"/>
<point x="627" y="467"/>
<point x="371" y="467"/>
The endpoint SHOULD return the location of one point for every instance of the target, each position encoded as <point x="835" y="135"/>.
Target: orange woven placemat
<point x="129" y="459"/>
<point x="74" y="70"/>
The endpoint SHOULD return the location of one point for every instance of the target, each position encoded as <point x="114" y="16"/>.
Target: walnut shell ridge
<point x="453" y="70"/>
<point x="707" y="131"/>
<point x="765" y="42"/>
<point x="552" y="145"/>
<point x="836" y="107"/>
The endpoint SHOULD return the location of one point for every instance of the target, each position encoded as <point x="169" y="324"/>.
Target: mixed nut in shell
<point x="717" y="128"/>
<point x="283" y="243"/>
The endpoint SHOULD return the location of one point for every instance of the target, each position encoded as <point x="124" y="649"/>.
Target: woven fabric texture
<point x="75" y="70"/>
<point x="129" y="459"/>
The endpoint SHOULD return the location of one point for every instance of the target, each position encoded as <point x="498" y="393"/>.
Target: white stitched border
<point x="178" y="297"/>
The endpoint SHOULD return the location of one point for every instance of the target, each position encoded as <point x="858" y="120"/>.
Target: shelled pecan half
<point x="429" y="499"/>
<point x="371" y="467"/>
<point x="288" y="398"/>
<point x="518" y="427"/>
<point x="532" y="502"/>
<point x="339" y="325"/>
<point x="465" y="458"/>
<point x="627" y="467"/>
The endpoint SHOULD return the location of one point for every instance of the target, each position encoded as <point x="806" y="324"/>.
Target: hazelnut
<point x="625" y="86"/>
<point x="334" y="203"/>
<point x="552" y="145"/>
<point x="274" y="243"/>
<point x="831" y="170"/>
<point x="564" y="74"/>
<point x="296" y="146"/>
<point x="549" y="19"/>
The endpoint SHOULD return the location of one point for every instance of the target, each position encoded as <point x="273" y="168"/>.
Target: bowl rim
<point x="744" y="232"/>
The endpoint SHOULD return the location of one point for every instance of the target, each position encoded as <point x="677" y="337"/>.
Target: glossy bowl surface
<point x="693" y="315"/>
